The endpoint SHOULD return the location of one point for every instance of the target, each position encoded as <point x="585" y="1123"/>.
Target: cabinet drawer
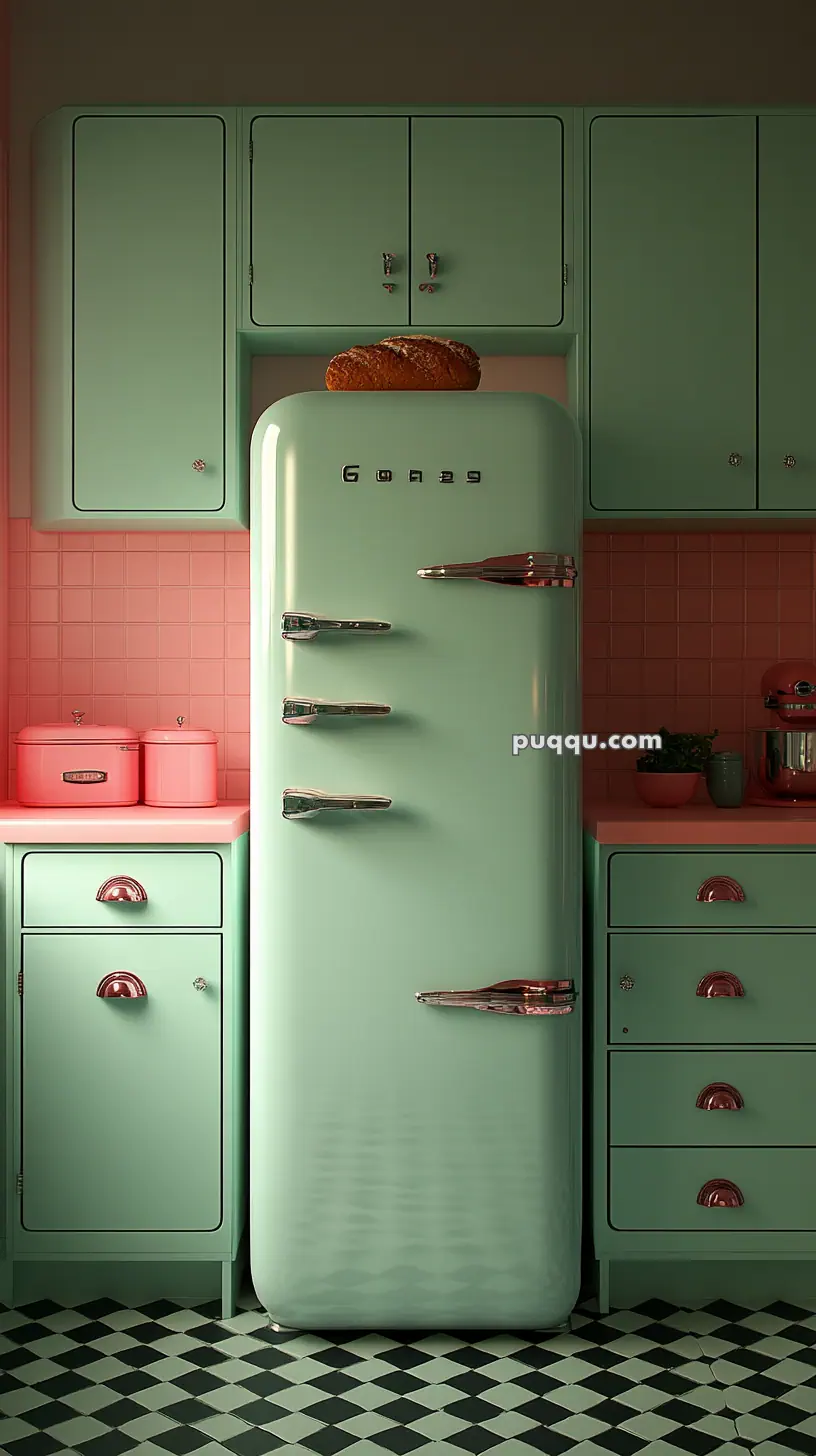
<point x="654" y="981"/>
<point x="653" y="1099"/>
<point x="656" y="1189"/>
<point x="662" y="889"/>
<point x="121" y="1105"/>
<point x="59" y="889"/>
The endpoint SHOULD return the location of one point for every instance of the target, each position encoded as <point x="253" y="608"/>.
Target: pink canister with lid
<point x="77" y="765"/>
<point x="180" y="767"/>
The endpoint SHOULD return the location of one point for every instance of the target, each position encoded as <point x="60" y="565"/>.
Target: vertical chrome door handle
<point x="531" y="568"/>
<point x="302" y="626"/>
<point x="304" y="803"/>
<point x="517" y="998"/>
<point x="308" y="710"/>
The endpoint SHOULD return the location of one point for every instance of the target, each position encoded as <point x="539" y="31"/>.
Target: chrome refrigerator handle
<point x="306" y="710"/>
<point x="517" y="998"/>
<point x="303" y="803"/>
<point x="302" y="626"/>
<point x="531" y="568"/>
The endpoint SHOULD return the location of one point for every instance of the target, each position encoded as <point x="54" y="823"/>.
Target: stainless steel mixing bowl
<point x="784" y="761"/>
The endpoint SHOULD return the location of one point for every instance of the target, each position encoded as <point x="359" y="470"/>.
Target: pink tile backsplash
<point x="678" y="630"/>
<point x="138" y="629"/>
<point x="134" y="629"/>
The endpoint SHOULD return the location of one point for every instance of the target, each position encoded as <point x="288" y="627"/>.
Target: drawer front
<point x="654" y="980"/>
<point x="59" y="889"/>
<point x="121" y="1105"/>
<point x="661" y="889"/>
<point x="655" y="1189"/>
<point x="761" y="1099"/>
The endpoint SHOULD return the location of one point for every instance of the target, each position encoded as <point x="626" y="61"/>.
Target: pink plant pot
<point x="666" y="790"/>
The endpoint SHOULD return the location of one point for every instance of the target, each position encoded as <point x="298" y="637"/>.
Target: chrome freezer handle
<point x="304" y="803"/>
<point x="518" y="998"/>
<point x="306" y="710"/>
<point x="302" y="626"/>
<point x="531" y="568"/>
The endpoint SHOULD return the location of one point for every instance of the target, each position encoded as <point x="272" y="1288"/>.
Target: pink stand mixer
<point x="784" y="757"/>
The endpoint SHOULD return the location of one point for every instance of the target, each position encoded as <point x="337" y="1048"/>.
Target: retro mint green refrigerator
<point x="414" y="1019"/>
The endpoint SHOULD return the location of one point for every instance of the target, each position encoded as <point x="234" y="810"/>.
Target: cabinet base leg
<point x="231" y="1272"/>
<point x="603" y="1286"/>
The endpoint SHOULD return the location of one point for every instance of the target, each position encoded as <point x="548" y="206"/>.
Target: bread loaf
<point x="417" y="361"/>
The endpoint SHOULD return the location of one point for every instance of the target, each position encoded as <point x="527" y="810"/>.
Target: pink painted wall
<point x="134" y="629"/>
<point x="678" y="631"/>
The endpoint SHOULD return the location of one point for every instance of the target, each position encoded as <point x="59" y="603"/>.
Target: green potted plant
<point x="667" y="776"/>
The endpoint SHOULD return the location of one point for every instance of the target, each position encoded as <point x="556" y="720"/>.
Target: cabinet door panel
<point x="787" y="312"/>
<point x="487" y="198"/>
<point x="672" y="303"/>
<point x="329" y="197"/>
<point x="149" y="314"/>
<point x="121" y="1102"/>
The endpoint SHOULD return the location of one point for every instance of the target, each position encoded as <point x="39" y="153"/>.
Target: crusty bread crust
<point x="411" y="361"/>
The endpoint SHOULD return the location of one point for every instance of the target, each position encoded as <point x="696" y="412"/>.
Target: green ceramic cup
<point x="725" y="780"/>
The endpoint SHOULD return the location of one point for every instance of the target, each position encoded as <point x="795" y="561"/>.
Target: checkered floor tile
<point x="106" y="1381"/>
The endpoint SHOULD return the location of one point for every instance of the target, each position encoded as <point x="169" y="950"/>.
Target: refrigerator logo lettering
<point x="351" y="474"/>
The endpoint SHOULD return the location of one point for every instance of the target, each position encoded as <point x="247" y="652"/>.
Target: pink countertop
<point x="700" y="824"/>
<point x="138" y="825"/>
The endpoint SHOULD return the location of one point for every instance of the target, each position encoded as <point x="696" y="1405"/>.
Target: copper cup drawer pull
<point x="720" y="887"/>
<point x="122" y="890"/>
<point x="720" y="1097"/>
<point x="720" y="983"/>
<point x="720" y="1193"/>
<point x="121" y="983"/>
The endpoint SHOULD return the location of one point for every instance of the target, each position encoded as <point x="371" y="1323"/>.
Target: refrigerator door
<point x="414" y="1163"/>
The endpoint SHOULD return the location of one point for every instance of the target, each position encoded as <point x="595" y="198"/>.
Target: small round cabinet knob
<point x="199" y="465"/>
<point x="789" y="461"/>
<point x="720" y="983"/>
<point x="122" y="890"/>
<point x="720" y="887"/>
<point x="720" y="1193"/>
<point x="720" y="1097"/>
<point x="121" y="983"/>
<point x="200" y="984"/>
<point x="734" y="459"/>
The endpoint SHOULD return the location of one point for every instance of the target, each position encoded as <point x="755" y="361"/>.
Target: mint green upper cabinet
<point x="487" y="197"/>
<point x="329" y="196"/>
<point x="135" y="393"/>
<point x="121" y="1105"/>
<point x="787" y="313"/>
<point x="672" y="306"/>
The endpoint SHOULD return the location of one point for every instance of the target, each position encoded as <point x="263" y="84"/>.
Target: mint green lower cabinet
<point x="654" y="980"/>
<point x="656" y="1189"/>
<point x="127" y="1114"/>
<point x="690" y="1089"/>
<point x="121" y="1098"/>
<point x="653" y="1099"/>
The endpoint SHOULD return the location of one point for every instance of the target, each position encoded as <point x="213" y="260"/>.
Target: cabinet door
<point x="148" y="314"/>
<point x="487" y="196"/>
<point x="329" y="196"/>
<point x="121" y="1098"/>
<point x="787" y="313"/>
<point x="672" y="303"/>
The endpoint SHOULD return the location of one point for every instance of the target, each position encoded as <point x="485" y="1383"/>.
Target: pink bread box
<point x="180" y="767"/>
<point x="77" y="765"/>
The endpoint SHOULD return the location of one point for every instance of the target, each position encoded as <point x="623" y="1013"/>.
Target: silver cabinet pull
<point x="307" y="710"/>
<point x="532" y="568"/>
<point x="304" y="803"/>
<point x="516" y="998"/>
<point x="302" y="627"/>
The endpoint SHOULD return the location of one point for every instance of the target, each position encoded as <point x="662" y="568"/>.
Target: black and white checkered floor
<point x="103" y="1380"/>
